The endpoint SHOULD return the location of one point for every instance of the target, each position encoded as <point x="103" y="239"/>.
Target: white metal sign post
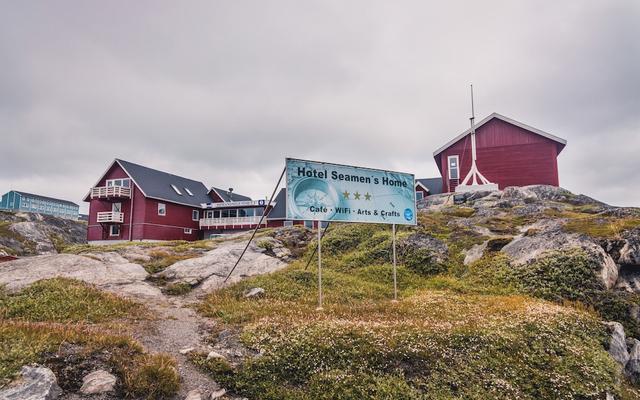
<point x="395" y="272"/>
<point x="319" y="268"/>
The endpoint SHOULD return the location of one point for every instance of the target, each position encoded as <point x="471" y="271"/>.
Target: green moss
<point x="64" y="300"/>
<point x="458" y="211"/>
<point x="601" y="226"/>
<point x="177" y="289"/>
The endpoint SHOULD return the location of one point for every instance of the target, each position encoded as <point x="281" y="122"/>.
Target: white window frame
<point x="175" y="189"/>
<point x="162" y="209"/>
<point x="195" y="215"/>
<point x="111" y="230"/>
<point x="457" y="158"/>
<point x="287" y="223"/>
<point x="116" y="207"/>
<point x="112" y="182"/>
<point x="419" y="195"/>
<point x="188" y="231"/>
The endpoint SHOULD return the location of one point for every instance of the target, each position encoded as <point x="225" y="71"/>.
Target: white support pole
<point x="395" y="272"/>
<point x="319" y="268"/>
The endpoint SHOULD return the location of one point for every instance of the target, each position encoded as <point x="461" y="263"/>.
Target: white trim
<point x="187" y="231"/>
<point x="423" y="186"/>
<point x="421" y="194"/>
<point x="163" y="207"/>
<point x="111" y="234"/>
<point x="188" y="192"/>
<point x="457" y="157"/>
<point x="505" y="119"/>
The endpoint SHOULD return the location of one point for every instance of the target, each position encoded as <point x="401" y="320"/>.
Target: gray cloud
<point x="223" y="91"/>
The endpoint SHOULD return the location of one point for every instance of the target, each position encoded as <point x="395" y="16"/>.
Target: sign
<point x="332" y="192"/>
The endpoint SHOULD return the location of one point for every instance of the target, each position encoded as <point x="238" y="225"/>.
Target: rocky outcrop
<point x="436" y="247"/>
<point x="549" y="236"/>
<point x="34" y="383"/>
<point x="617" y="346"/>
<point x="121" y="277"/>
<point x="209" y="271"/>
<point x="31" y="234"/>
<point x="630" y="252"/>
<point x="632" y="369"/>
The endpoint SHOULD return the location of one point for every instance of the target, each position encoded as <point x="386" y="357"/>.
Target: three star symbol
<point x="356" y="195"/>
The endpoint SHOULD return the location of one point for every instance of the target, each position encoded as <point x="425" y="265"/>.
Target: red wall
<point x="507" y="155"/>
<point x="147" y="224"/>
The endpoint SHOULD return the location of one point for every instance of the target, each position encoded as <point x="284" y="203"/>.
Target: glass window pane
<point x="233" y="213"/>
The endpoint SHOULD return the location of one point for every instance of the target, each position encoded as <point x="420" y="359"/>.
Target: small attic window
<point x="188" y="192"/>
<point x="176" y="190"/>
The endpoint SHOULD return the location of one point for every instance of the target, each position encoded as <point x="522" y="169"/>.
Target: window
<point x="287" y="223"/>
<point x="188" y="192"/>
<point x="452" y="161"/>
<point x="176" y="190"/>
<point x="162" y="209"/>
<point x="116" y="207"/>
<point x="114" y="230"/>
<point x="233" y="213"/>
<point x="419" y="195"/>
<point x="195" y="215"/>
<point x="308" y="224"/>
<point x="124" y="182"/>
<point x="188" y="231"/>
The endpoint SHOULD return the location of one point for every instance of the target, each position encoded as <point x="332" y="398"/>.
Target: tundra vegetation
<point x="490" y="329"/>
<point x="40" y="320"/>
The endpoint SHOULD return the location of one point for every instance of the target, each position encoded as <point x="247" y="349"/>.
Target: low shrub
<point x="150" y="376"/>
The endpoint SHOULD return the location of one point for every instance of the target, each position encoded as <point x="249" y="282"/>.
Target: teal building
<point x="27" y="202"/>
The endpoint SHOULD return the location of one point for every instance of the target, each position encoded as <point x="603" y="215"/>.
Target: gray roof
<point x="433" y="184"/>
<point x="37" y="196"/>
<point x="279" y="211"/>
<point x="228" y="196"/>
<point x="157" y="184"/>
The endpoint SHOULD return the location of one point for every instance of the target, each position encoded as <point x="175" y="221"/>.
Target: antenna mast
<point x="478" y="181"/>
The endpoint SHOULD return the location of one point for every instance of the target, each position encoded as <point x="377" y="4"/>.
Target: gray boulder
<point x="34" y="383"/>
<point x="617" y="346"/>
<point x="99" y="381"/>
<point x="438" y="249"/>
<point x="632" y="368"/>
<point x="630" y="252"/>
<point x="549" y="236"/>
<point x="122" y="278"/>
<point x="194" y="394"/>
<point x="210" y="270"/>
<point x="254" y="293"/>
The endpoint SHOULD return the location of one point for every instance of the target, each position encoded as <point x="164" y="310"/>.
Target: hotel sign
<point x="332" y="192"/>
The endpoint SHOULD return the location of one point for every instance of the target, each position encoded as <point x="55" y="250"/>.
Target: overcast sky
<point x="223" y="91"/>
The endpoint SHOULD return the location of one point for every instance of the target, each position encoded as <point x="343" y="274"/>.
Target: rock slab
<point x="99" y="381"/>
<point x="34" y="383"/>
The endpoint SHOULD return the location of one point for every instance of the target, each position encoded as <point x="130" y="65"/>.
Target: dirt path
<point x="177" y="326"/>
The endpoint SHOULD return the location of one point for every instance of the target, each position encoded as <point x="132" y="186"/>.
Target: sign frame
<point x="291" y="217"/>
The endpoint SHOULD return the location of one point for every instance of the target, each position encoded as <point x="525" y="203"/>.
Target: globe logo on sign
<point x="408" y="214"/>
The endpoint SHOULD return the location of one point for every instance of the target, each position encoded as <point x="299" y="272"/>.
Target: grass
<point x="38" y="321"/>
<point x="473" y="333"/>
<point x="177" y="289"/>
<point x="601" y="226"/>
<point x="65" y="300"/>
<point x="161" y="259"/>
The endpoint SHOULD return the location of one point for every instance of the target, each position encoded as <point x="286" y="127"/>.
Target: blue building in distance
<point x="27" y="202"/>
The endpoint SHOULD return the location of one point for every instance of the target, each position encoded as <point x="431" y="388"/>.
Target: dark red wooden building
<point x="509" y="153"/>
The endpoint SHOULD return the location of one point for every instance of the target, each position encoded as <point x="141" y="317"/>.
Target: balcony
<point x="111" y="192"/>
<point x="232" y="221"/>
<point x="110" y="217"/>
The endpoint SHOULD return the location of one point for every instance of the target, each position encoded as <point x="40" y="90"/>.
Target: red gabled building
<point x="134" y="202"/>
<point x="509" y="153"/>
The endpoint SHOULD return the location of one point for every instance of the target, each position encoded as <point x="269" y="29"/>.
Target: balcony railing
<point x="111" y="216"/>
<point x="237" y="221"/>
<point x="103" y="192"/>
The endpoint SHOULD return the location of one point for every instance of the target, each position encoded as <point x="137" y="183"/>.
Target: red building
<point x="133" y="202"/>
<point x="509" y="153"/>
